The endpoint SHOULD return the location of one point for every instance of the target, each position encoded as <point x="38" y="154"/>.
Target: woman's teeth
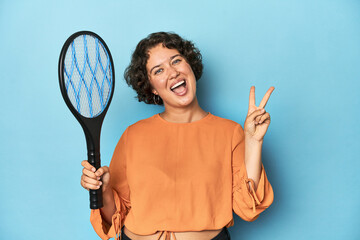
<point x="177" y="85"/>
<point x="179" y="88"/>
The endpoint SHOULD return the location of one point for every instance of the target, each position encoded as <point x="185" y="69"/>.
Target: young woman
<point x="180" y="173"/>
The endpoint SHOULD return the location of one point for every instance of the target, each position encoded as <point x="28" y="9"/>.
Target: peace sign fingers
<point x="252" y="106"/>
<point x="257" y="120"/>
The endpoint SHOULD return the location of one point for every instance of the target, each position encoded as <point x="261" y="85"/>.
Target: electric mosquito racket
<point x="87" y="80"/>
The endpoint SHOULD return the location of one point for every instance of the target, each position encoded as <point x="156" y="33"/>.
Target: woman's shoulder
<point x="142" y="123"/>
<point x="225" y="122"/>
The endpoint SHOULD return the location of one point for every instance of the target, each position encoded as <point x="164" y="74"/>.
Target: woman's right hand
<point x="91" y="179"/>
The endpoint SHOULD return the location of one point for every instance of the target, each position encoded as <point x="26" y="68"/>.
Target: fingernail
<point x="93" y="169"/>
<point x="98" y="178"/>
<point x="100" y="183"/>
<point x="262" y="110"/>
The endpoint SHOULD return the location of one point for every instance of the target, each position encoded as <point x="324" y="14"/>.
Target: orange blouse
<point x="177" y="177"/>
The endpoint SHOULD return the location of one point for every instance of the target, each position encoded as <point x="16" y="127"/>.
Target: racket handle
<point x="96" y="200"/>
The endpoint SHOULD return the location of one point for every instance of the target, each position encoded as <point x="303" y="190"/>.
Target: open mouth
<point x="179" y="87"/>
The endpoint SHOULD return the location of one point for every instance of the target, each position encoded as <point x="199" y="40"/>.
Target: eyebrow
<point x="171" y="58"/>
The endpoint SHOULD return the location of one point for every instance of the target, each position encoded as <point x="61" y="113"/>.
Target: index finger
<point x="88" y="166"/>
<point x="252" y="96"/>
<point x="266" y="97"/>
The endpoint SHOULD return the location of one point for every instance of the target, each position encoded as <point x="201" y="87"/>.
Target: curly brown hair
<point x="136" y="74"/>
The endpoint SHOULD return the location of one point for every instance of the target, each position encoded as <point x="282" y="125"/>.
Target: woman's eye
<point x="158" y="71"/>
<point x="176" y="61"/>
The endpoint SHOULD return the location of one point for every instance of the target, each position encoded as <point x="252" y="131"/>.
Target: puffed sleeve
<point x="120" y="188"/>
<point x="247" y="203"/>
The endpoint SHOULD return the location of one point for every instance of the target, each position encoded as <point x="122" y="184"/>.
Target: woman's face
<point x="171" y="77"/>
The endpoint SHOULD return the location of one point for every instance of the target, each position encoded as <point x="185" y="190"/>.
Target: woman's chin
<point x="186" y="101"/>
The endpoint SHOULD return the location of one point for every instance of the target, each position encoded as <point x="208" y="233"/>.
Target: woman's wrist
<point x="253" y="159"/>
<point x="249" y="141"/>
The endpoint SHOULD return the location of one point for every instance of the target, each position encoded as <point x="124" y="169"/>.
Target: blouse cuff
<point x="258" y="195"/>
<point x="254" y="199"/>
<point x="102" y="228"/>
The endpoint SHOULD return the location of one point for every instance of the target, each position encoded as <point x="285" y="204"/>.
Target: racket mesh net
<point x="88" y="75"/>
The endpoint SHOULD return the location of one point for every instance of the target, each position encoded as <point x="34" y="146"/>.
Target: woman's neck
<point x="187" y="114"/>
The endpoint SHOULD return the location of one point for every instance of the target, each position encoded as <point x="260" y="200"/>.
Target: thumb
<point x="104" y="174"/>
<point x="101" y="171"/>
<point x="255" y="114"/>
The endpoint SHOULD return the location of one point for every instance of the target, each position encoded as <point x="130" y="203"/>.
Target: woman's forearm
<point x="253" y="160"/>
<point x="109" y="206"/>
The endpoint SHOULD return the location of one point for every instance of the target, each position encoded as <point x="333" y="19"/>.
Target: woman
<point x="186" y="169"/>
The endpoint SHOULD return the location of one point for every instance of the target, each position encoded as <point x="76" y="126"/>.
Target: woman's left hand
<point x="257" y="120"/>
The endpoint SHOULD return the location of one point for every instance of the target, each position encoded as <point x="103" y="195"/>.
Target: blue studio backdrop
<point x="309" y="50"/>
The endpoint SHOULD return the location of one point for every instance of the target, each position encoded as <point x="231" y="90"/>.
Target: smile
<point x="179" y="88"/>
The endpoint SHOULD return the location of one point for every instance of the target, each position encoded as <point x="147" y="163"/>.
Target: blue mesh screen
<point x="88" y="75"/>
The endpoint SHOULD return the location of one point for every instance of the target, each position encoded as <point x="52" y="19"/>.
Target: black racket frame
<point x="91" y="126"/>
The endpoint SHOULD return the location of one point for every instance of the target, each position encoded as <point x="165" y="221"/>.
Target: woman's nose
<point x="173" y="72"/>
